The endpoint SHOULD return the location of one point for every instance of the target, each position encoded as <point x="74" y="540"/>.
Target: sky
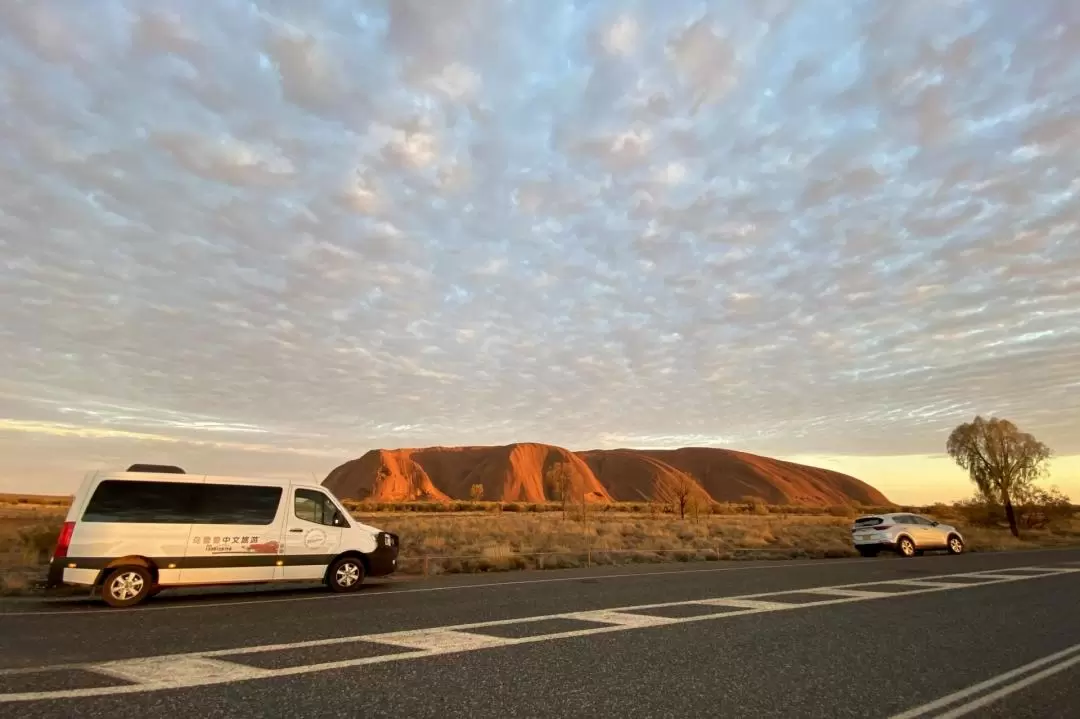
<point x="265" y="237"/>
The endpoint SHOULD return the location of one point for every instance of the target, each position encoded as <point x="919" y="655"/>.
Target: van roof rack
<point x="159" y="468"/>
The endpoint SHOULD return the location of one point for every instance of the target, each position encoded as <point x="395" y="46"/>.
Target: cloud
<point x="315" y="228"/>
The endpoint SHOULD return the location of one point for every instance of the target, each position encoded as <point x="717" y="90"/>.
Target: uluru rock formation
<point x="528" y="472"/>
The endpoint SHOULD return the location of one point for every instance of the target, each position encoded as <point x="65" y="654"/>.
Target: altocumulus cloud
<point x="302" y="229"/>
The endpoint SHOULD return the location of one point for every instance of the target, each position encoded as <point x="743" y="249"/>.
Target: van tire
<point x="126" y="586"/>
<point x="345" y="574"/>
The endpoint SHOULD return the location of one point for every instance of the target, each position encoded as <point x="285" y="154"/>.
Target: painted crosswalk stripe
<point x="179" y="670"/>
<point x="921" y="583"/>
<point x="859" y="593"/>
<point x="623" y="619"/>
<point x="755" y="604"/>
<point x="438" y="641"/>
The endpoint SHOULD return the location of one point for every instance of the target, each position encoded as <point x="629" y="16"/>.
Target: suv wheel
<point x="905" y="547"/>
<point x="956" y="545"/>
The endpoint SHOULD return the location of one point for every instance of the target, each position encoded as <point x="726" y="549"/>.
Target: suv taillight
<point x="64" y="540"/>
<point x="881" y="527"/>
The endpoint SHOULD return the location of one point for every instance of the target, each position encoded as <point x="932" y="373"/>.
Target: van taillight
<point x="64" y="540"/>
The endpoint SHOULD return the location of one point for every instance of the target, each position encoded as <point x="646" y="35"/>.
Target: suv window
<point x="312" y="505"/>
<point x="922" y="521"/>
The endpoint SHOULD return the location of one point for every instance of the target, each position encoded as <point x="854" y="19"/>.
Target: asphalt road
<point x="731" y="640"/>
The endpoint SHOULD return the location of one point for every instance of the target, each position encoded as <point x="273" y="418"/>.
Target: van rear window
<point x="182" y="503"/>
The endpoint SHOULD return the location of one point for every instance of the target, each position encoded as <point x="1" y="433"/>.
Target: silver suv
<point x="907" y="534"/>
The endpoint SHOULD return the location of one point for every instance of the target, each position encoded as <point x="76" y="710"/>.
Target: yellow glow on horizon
<point x="925" y="479"/>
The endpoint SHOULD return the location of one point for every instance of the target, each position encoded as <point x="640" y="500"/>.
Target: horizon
<point x="259" y="236"/>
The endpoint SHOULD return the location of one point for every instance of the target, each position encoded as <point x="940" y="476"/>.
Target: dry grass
<point x="466" y="543"/>
<point x="492" y="538"/>
<point x="27" y="536"/>
<point x="491" y="542"/>
<point x="34" y="500"/>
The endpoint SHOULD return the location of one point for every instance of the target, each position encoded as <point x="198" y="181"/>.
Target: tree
<point x="561" y="480"/>
<point x="678" y="491"/>
<point x="1002" y="461"/>
<point x="476" y="492"/>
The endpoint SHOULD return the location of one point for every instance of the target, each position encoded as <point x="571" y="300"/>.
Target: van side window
<point x="313" y="506"/>
<point x="149" y="502"/>
<point x="236" y="504"/>
<point x="182" y="503"/>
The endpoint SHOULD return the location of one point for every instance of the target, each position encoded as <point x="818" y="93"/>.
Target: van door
<point x="313" y="534"/>
<point x="235" y="532"/>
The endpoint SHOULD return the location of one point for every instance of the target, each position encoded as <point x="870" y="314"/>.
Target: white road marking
<point x="921" y="582"/>
<point x="437" y="641"/>
<point x="155" y="673"/>
<point x="181" y="670"/>
<point x="746" y="604"/>
<point x="1049" y="570"/>
<point x="992" y="697"/>
<point x="1010" y="576"/>
<point x="991" y="574"/>
<point x="846" y="593"/>
<point x="1059" y="661"/>
<point x="622" y="619"/>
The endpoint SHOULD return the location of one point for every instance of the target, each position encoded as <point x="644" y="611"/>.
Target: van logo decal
<point x="314" y="538"/>
<point x="236" y="545"/>
<point x="264" y="548"/>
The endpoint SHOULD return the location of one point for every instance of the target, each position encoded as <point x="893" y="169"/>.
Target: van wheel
<point x="345" y="575"/>
<point x="126" y="586"/>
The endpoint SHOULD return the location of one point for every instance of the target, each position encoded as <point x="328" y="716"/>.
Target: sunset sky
<point x="264" y="237"/>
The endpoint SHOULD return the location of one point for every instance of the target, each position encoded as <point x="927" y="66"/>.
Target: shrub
<point x="38" y="540"/>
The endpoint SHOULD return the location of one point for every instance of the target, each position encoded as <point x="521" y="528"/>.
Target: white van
<point x="131" y="534"/>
